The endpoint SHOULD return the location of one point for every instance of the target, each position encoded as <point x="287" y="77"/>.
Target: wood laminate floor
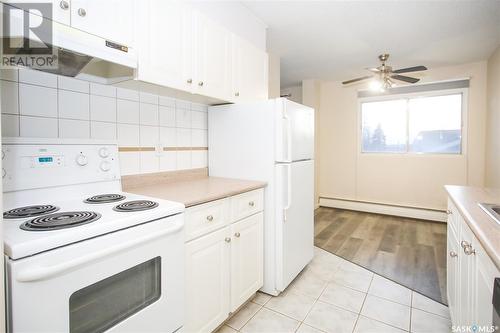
<point x="408" y="251"/>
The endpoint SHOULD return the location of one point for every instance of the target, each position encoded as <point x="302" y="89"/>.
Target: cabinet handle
<point x="237" y="234"/>
<point x="64" y="5"/>
<point x="227" y="239"/>
<point x="251" y="203"/>
<point x="464" y="244"/>
<point x="189" y="81"/>
<point x="468" y="250"/>
<point x="210" y="218"/>
<point x="453" y="254"/>
<point x="200" y="83"/>
<point x="82" y="12"/>
<point x="236" y="94"/>
<point x="449" y="212"/>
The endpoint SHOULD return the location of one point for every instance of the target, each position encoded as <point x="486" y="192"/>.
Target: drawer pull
<point x="210" y="218"/>
<point x="464" y="244"/>
<point x="227" y="239"/>
<point x="468" y="250"/>
<point x="449" y="212"/>
<point x="251" y="203"/>
<point x="453" y="254"/>
<point x="237" y="234"/>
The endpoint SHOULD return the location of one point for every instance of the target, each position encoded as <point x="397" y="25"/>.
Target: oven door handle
<point x="40" y="272"/>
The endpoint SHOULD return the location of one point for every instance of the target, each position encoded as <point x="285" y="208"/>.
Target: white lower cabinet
<point x="224" y="267"/>
<point x="470" y="275"/>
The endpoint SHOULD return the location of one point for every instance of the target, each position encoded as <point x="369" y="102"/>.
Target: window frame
<point x="432" y="93"/>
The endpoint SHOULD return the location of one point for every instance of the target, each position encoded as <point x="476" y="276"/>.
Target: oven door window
<point x="104" y="304"/>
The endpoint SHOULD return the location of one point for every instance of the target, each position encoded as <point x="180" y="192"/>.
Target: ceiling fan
<point x="386" y="74"/>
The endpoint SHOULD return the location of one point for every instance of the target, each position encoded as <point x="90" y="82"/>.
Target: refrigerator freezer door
<point x="295" y="219"/>
<point x="294" y="132"/>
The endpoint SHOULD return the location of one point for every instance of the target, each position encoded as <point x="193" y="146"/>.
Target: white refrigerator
<point x="271" y="141"/>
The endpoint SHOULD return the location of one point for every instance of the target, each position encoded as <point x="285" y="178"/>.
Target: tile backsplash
<point x="154" y="133"/>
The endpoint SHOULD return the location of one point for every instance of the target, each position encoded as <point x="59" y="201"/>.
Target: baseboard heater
<point x="369" y="207"/>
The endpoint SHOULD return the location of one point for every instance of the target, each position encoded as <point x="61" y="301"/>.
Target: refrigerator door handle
<point x="288" y="190"/>
<point x="288" y="136"/>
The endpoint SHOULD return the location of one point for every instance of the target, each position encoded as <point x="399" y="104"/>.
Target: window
<point x="428" y="124"/>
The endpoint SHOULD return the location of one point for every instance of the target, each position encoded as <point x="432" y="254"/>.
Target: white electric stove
<point x="81" y="255"/>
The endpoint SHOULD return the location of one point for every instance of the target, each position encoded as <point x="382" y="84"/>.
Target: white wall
<point x="236" y="18"/>
<point x="37" y="104"/>
<point x="295" y="92"/>
<point x="493" y="132"/>
<point x="406" y="180"/>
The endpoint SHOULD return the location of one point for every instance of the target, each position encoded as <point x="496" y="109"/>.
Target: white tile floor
<point x="333" y="295"/>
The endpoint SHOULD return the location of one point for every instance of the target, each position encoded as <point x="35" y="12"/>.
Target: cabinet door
<point x="213" y="59"/>
<point x="60" y="9"/>
<point x="452" y="272"/>
<point x="485" y="273"/>
<point x="110" y="19"/>
<point x="467" y="277"/>
<point x="164" y="43"/>
<point x="246" y="259"/>
<point x="250" y="71"/>
<point x="207" y="281"/>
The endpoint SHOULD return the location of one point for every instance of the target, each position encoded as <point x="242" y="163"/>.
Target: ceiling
<point x="335" y="40"/>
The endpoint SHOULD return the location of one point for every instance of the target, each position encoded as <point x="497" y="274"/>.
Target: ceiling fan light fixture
<point x="376" y="85"/>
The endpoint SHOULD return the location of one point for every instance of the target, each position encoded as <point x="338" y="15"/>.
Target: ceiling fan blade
<point x="405" y="78"/>
<point x="410" y="69"/>
<point x="358" y="79"/>
<point x="373" y="69"/>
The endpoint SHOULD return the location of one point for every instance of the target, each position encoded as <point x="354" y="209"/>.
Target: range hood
<point x="84" y="56"/>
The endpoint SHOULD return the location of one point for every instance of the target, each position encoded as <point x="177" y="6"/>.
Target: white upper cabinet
<point x="60" y="10"/>
<point x="213" y="59"/>
<point x="110" y="19"/>
<point x="250" y="71"/>
<point x="163" y="42"/>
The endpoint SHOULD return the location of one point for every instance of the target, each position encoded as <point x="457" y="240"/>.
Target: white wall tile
<point x="102" y="90"/>
<point x="149" y="162"/>
<point x="37" y="127"/>
<point x="74" y="105"/>
<point x="10" y="125"/>
<point x="149" y="136"/>
<point x="183" y="160"/>
<point x="183" y="118"/>
<point x="102" y="108"/>
<point x="168" y="137"/>
<point x="37" y="101"/>
<point x="199" y="120"/>
<point x="130" y="163"/>
<point x="199" y="107"/>
<point x="148" y="114"/>
<point x="148" y="98"/>
<point x="128" y="94"/>
<point x="168" y="161"/>
<point x="101" y="130"/>
<point x="199" y="159"/>
<point x="37" y="77"/>
<point x="9" y="74"/>
<point x="10" y="100"/>
<point x="167" y="101"/>
<point x="128" y="135"/>
<point x="127" y="111"/>
<point x="167" y="116"/>
<point x="69" y="83"/>
<point x="199" y="138"/>
<point x="183" y="137"/>
<point x="69" y="128"/>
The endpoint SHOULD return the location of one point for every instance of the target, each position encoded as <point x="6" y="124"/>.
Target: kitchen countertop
<point x="483" y="226"/>
<point x="197" y="191"/>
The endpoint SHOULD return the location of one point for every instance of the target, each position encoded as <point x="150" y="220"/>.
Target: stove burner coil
<point x="135" y="206"/>
<point x="104" y="198"/>
<point x="60" y="221"/>
<point x="29" y="211"/>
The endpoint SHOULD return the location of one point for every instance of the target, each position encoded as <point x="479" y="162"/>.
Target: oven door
<point x="131" y="280"/>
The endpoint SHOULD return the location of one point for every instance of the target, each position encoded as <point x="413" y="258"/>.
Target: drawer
<point x="202" y="219"/>
<point x="246" y="204"/>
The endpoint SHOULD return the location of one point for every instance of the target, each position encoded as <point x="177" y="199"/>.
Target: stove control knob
<point x="81" y="160"/>
<point x="105" y="166"/>
<point x="104" y="152"/>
